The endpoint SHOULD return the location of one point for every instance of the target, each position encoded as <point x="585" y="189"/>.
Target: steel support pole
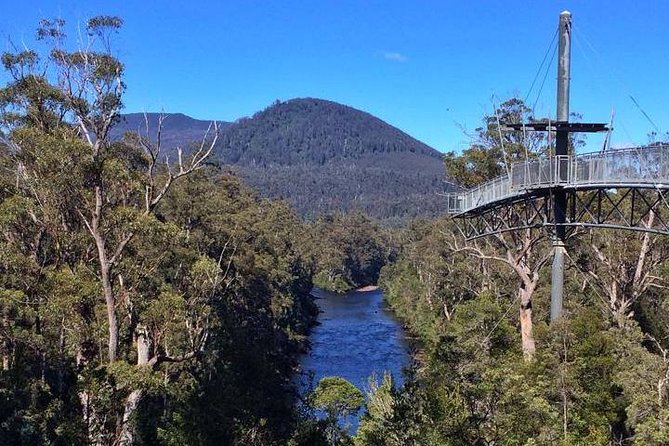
<point x="564" y="68"/>
<point x="557" y="279"/>
<point x="561" y="148"/>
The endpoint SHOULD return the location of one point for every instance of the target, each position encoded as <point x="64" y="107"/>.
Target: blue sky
<point x="431" y="68"/>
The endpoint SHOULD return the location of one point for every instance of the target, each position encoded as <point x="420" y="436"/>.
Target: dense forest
<point x="491" y="369"/>
<point x="152" y="300"/>
<point x="302" y="150"/>
<point x="141" y="302"/>
<point x="349" y="251"/>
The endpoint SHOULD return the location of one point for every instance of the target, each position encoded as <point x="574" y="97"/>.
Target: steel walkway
<point x="637" y="167"/>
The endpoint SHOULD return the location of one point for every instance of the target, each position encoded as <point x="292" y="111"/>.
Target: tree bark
<point x="529" y="278"/>
<point x="91" y="418"/>
<point x="105" y="263"/>
<point x="127" y="434"/>
<point x="111" y="311"/>
<point x="519" y="256"/>
<point x="526" y="332"/>
<point x="7" y="346"/>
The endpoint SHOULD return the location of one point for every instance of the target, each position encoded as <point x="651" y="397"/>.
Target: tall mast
<point x="561" y="148"/>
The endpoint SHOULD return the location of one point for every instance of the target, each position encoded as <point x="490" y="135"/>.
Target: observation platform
<point x="637" y="167"/>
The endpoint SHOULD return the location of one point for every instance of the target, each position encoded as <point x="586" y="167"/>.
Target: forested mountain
<point x="322" y="157"/>
<point x="315" y="132"/>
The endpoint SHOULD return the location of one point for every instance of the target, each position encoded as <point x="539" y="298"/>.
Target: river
<point x="357" y="337"/>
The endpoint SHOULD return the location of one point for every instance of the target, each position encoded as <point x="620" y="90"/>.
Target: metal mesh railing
<point x="540" y="172"/>
<point x="634" y="166"/>
<point x="647" y="165"/>
<point x="495" y="190"/>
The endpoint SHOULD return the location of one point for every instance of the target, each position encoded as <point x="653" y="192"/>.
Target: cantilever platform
<point x="638" y="167"/>
<point x="615" y="189"/>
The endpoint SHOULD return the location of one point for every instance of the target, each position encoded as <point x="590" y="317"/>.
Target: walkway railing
<point x="638" y="166"/>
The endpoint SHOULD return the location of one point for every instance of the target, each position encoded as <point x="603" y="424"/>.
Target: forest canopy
<point x="152" y="299"/>
<point x="130" y="287"/>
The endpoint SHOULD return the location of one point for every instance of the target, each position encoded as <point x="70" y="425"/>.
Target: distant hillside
<point x="178" y="129"/>
<point x="327" y="157"/>
<point x="314" y="132"/>
<point x="323" y="156"/>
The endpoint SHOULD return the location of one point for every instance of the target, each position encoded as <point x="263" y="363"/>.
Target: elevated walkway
<point x="637" y="167"/>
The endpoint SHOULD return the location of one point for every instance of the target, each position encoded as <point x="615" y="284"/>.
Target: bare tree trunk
<point x="487" y="286"/>
<point x="85" y="401"/>
<point x="6" y="346"/>
<point x="89" y="414"/>
<point x="111" y="311"/>
<point x="105" y="274"/>
<point x="529" y="279"/>
<point x="526" y="333"/>
<point x="447" y="313"/>
<point x="127" y="434"/>
<point x="643" y="252"/>
<point x="92" y="419"/>
<point x="518" y="254"/>
<point x="625" y="276"/>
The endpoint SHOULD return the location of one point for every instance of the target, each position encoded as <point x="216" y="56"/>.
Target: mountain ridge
<point x="321" y="156"/>
<point x="178" y="129"/>
<point x="319" y="129"/>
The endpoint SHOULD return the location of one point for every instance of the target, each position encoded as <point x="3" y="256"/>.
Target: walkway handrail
<point x="642" y="166"/>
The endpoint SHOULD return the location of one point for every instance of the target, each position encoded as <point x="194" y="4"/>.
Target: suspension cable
<point x="543" y="82"/>
<point x="536" y="76"/>
<point x="578" y="32"/>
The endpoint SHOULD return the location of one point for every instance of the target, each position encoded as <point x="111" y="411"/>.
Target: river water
<point x="357" y="337"/>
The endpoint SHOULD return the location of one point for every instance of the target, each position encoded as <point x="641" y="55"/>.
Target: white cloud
<point x="394" y="57"/>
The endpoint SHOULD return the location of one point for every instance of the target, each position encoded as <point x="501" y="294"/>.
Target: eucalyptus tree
<point x="624" y="267"/>
<point x="490" y="155"/>
<point x="89" y="206"/>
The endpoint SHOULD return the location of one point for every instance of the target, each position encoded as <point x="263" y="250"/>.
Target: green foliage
<point x="495" y="148"/>
<point x="338" y="398"/>
<point x="209" y="286"/>
<point x="304" y="149"/>
<point x="388" y="419"/>
<point x="349" y="251"/>
<point x="474" y="166"/>
<point x="262" y="318"/>
<point x="595" y="380"/>
<point x="427" y="267"/>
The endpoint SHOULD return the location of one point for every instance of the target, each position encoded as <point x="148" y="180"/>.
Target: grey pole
<point x="564" y="68"/>
<point x="561" y="148"/>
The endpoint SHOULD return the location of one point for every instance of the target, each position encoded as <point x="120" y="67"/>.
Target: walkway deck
<point x="639" y="167"/>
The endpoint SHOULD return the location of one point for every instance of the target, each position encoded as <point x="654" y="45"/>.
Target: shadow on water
<point x="357" y="336"/>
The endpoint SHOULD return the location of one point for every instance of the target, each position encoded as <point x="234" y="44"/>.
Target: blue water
<point x="357" y="337"/>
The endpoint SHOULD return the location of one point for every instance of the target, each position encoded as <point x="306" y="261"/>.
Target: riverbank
<point x="316" y="290"/>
